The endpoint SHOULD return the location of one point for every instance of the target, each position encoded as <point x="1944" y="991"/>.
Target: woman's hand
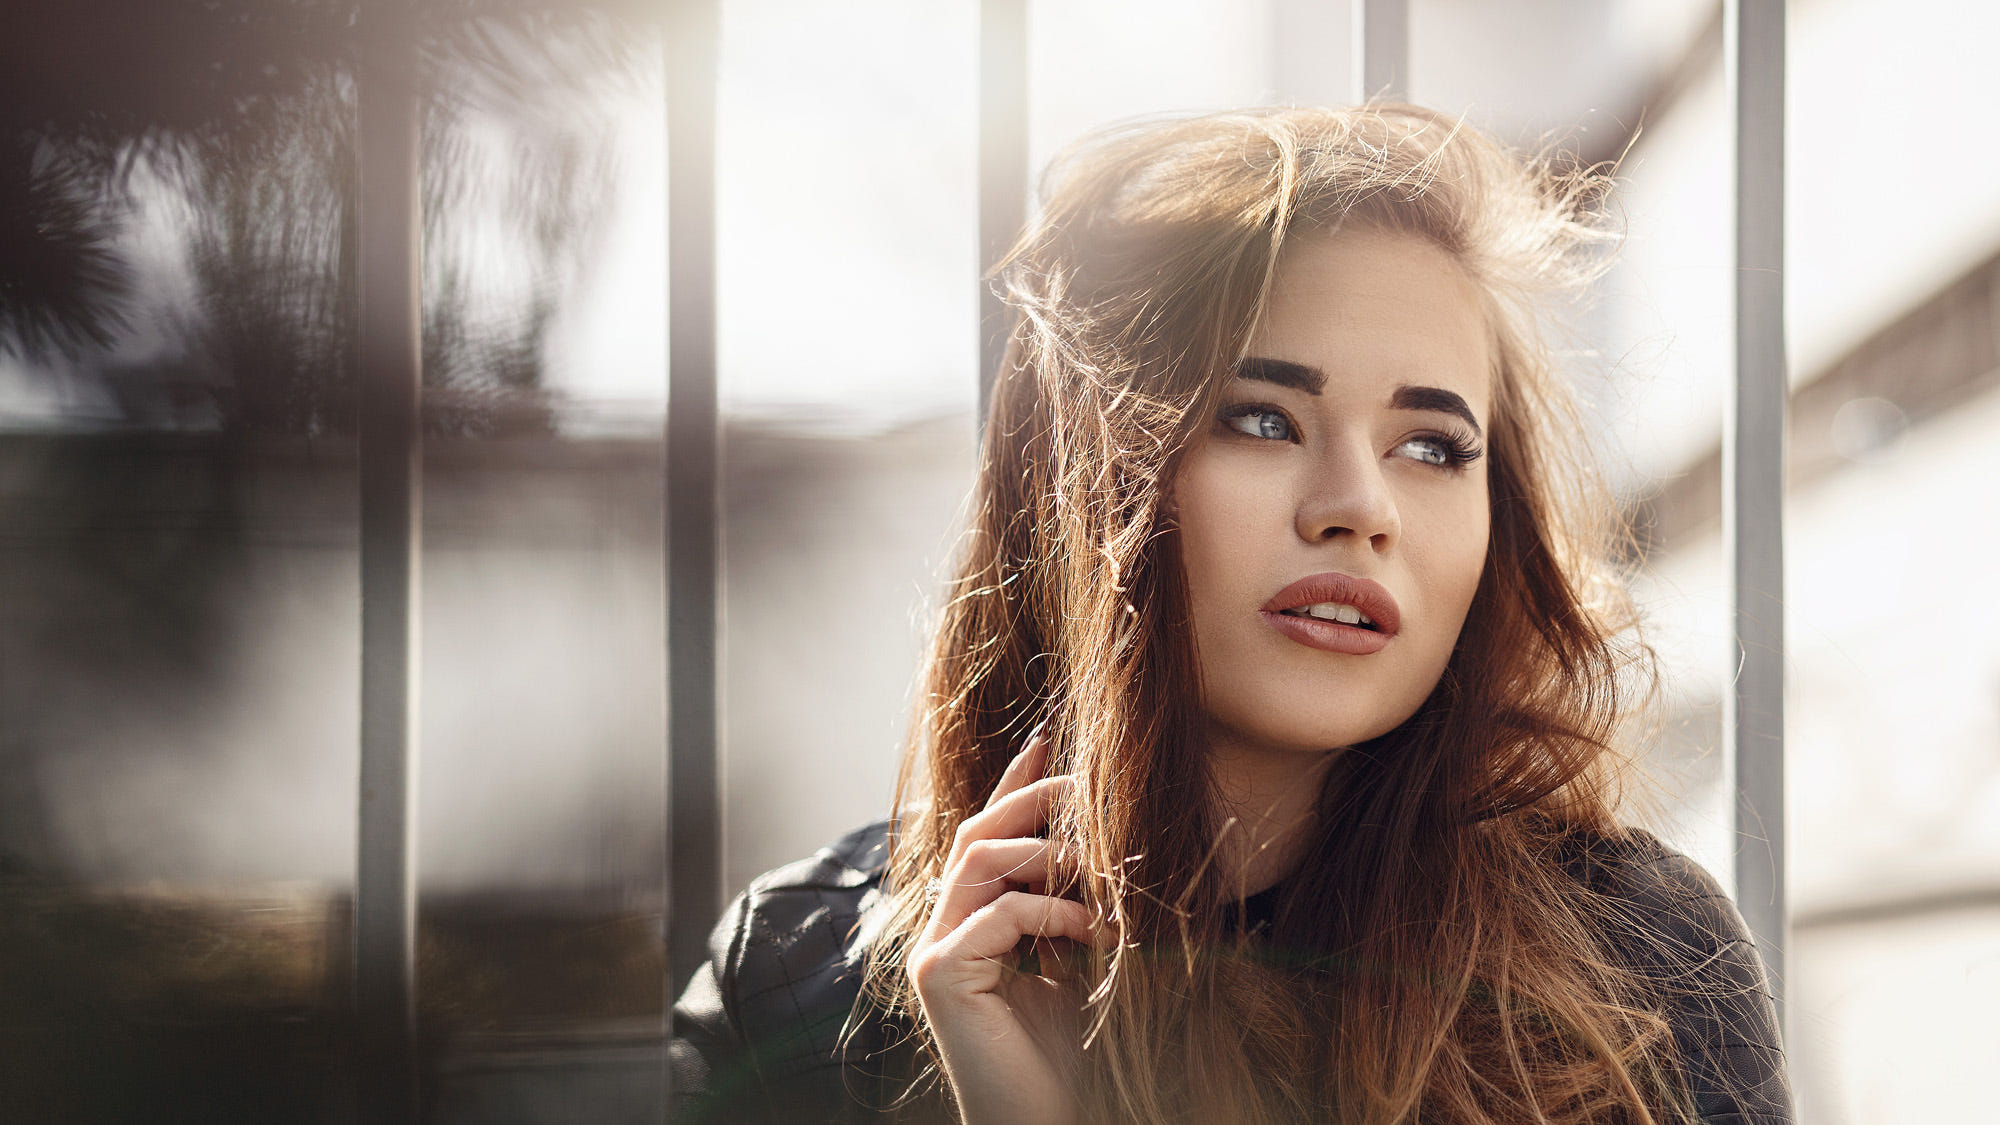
<point x="998" y="1030"/>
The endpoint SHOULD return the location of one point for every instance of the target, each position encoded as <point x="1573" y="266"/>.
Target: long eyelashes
<point x="1454" y="449"/>
<point x="1259" y="420"/>
<point x="1449" y="449"/>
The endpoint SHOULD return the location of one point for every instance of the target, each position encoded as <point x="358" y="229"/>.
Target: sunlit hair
<point x="1435" y="957"/>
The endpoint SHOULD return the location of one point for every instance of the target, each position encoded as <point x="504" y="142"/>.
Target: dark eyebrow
<point x="1436" y="399"/>
<point x="1311" y="380"/>
<point x="1283" y="372"/>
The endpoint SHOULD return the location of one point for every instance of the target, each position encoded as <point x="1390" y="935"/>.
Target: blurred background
<point x="179" y="594"/>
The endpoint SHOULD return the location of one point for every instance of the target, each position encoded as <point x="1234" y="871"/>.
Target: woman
<point x="1265" y="766"/>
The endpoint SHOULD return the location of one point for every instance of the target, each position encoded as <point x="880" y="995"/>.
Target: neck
<point x="1273" y="797"/>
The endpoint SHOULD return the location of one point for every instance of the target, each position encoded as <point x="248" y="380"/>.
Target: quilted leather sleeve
<point x="757" y="1032"/>
<point x="714" y="1076"/>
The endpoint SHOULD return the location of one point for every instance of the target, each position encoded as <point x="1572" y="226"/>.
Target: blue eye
<point x="1428" y="450"/>
<point x="1447" y="451"/>
<point x="1260" y="422"/>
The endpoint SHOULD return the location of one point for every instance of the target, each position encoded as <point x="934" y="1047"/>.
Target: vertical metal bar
<point x="1381" y="49"/>
<point x="1003" y="167"/>
<point x="1754" y="475"/>
<point x="390" y="351"/>
<point x="694" y="813"/>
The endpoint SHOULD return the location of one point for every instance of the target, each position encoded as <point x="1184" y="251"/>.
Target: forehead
<point x="1376" y="309"/>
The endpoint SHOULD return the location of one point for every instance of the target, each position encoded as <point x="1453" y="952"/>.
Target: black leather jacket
<point x="757" y="1033"/>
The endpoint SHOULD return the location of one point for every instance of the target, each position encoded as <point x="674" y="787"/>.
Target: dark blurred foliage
<point x="483" y="379"/>
<point x="60" y="282"/>
<point x="246" y="109"/>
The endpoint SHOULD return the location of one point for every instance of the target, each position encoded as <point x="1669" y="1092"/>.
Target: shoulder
<point x="847" y="868"/>
<point x="1651" y="885"/>
<point x="764" y="1018"/>
<point x="1668" y="920"/>
<point x="796" y="956"/>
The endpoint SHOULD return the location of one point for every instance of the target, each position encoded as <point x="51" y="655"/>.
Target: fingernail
<point x="1029" y="743"/>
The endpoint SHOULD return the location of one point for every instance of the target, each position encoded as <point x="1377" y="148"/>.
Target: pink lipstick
<point x="1290" y="612"/>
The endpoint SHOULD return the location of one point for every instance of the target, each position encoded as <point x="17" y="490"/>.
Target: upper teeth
<point x="1334" y="611"/>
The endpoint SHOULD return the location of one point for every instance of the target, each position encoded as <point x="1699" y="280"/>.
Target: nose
<point x="1344" y="494"/>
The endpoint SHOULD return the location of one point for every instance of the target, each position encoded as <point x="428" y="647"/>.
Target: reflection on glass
<point x="179" y="619"/>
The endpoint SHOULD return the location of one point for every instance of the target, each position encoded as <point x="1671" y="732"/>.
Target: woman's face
<point x="1344" y="472"/>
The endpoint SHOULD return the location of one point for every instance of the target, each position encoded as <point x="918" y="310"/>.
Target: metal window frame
<point x="1003" y="171"/>
<point x="693" y="500"/>
<point x="1753" y="474"/>
<point x="1381" y="49"/>
<point x="390" y="348"/>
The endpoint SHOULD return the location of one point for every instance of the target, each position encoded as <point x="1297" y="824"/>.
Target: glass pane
<point x="1892" y="667"/>
<point x="179" y="616"/>
<point x="1892" y="612"/>
<point x="541" y="780"/>
<point x="177" y="622"/>
<point x="847" y="338"/>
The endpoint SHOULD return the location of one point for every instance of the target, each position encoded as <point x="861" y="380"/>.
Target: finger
<point x="1026" y="766"/>
<point x="1020" y="813"/>
<point x="989" y="869"/>
<point x="973" y="958"/>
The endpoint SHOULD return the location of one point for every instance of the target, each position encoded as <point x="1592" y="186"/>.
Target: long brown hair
<point x="1433" y="958"/>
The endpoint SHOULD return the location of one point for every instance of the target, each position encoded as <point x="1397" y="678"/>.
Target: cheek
<point x="1230" y="516"/>
<point x="1213" y="520"/>
<point x="1448" y="555"/>
<point x="1205" y="559"/>
<point x="1464" y="561"/>
<point x="1469" y="558"/>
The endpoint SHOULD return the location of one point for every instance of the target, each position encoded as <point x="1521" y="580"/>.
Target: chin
<point x="1308" y="733"/>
